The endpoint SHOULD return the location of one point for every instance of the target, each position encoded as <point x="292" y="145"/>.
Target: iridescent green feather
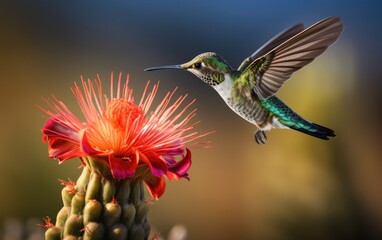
<point x="290" y="119"/>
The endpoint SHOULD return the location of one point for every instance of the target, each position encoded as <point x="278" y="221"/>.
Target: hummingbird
<point x="250" y="90"/>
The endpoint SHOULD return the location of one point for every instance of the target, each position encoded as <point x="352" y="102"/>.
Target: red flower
<point x="128" y="137"/>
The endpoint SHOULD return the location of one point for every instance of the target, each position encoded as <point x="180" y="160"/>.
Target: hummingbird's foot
<point x="260" y="137"/>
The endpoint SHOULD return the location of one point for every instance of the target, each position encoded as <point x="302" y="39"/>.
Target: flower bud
<point x="108" y="191"/>
<point x="62" y="216"/>
<point x="71" y="237"/>
<point x="124" y="191"/>
<point x="94" y="187"/>
<point x="73" y="226"/>
<point x="137" y="232"/>
<point x="142" y="210"/>
<point x="94" y="231"/>
<point x="67" y="196"/>
<point x="92" y="211"/>
<point x="128" y="214"/>
<point x="53" y="233"/>
<point x="78" y="203"/>
<point x="137" y="193"/>
<point x="83" y="180"/>
<point x="112" y="213"/>
<point x="117" y="232"/>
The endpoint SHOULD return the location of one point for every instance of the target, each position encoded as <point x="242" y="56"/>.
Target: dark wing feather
<point x="272" y="68"/>
<point x="271" y="44"/>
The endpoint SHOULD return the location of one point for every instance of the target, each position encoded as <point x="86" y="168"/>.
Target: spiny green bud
<point x="67" y="192"/>
<point x="136" y="232"/>
<point x="128" y="214"/>
<point x="73" y="225"/>
<point x="108" y="191"/>
<point x="94" y="231"/>
<point x="96" y="207"/>
<point x="83" y="180"/>
<point x="124" y="191"/>
<point x="71" y="237"/>
<point x="147" y="228"/>
<point x="112" y="213"/>
<point x="92" y="211"/>
<point x="66" y="196"/>
<point x="117" y="232"/>
<point x="137" y="193"/>
<point x="62" y="215"/>
<point x="94" y="187"/>
<point x="142" y="210"/>
<point x="78" y="203"/>
<point x="53" y="233"/>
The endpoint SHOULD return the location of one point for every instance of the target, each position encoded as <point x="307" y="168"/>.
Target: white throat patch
<point x="225" y="88"/>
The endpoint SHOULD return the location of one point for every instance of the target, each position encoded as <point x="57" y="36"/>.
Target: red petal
<point x="172" y="176"/>
<point x="155" y="185"/>
<point x="63" y="139"/>
<point x="122" y="168"/>
<point x="181" y="168"/>
<point x="88" y="149"/>
<point x="157" y="165"/>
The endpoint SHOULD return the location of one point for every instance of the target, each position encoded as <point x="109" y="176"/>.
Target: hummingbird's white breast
<point x="247" y="108"/>
<point x="225" y="88"/>
<point x="241" y="108"/>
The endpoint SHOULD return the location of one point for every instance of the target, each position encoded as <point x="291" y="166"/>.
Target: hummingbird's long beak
<point x="164" y="67"/>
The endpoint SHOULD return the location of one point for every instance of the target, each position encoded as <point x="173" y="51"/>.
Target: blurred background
<point x="294" y="187"/>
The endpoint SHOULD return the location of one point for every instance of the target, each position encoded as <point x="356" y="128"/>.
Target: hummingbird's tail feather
<point x="291" y="119"/>
<point x="311" y="129"/>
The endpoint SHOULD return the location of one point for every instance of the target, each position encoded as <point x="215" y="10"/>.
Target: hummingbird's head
<point x="209" y="67"/>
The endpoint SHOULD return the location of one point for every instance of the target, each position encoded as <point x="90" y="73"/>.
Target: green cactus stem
<point x="98" y="206"/>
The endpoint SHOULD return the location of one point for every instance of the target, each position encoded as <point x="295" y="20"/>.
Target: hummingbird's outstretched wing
<point x="271" y="44"/>
<point x="275" y="62"/>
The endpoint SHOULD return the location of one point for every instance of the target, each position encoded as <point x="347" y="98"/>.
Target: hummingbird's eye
<point x="198" y="65"/>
